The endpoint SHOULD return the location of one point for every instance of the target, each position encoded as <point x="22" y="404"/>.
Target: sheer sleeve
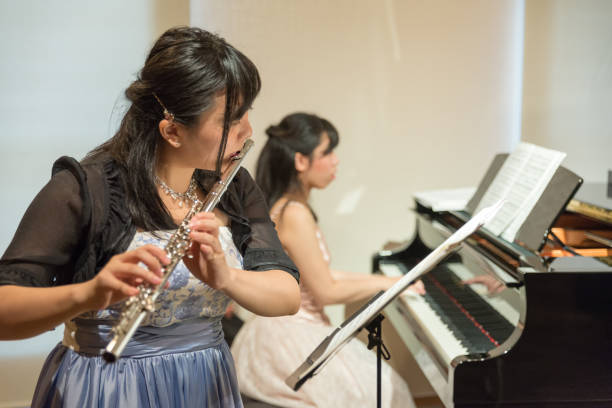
<point x="49" y="236"/>
<point x="263" y="249"/>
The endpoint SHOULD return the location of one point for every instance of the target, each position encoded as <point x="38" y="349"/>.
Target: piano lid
<point x="593" y="200"/>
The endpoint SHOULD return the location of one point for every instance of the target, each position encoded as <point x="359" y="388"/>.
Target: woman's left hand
<point x="208" y="262"/>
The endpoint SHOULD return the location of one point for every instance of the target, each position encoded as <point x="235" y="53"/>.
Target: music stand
<point x="369" y="315"/>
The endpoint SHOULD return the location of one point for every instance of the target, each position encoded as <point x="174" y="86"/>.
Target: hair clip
<point x="167" y="114"/>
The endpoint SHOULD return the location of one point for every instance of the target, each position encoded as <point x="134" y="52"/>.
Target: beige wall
<point x="423" y="94"/>
<point x="567" y="94"/>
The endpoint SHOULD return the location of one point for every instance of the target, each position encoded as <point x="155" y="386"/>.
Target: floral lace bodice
<point x="187" y="297"/>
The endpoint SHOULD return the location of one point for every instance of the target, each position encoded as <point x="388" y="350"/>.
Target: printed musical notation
<point x="520" y="182"/>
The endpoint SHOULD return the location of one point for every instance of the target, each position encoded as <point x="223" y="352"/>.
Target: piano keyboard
<point x="474" y="323"/>
<point x="457" y="319"/>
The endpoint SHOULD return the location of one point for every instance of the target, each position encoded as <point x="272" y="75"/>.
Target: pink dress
<point x="268" y="349"/>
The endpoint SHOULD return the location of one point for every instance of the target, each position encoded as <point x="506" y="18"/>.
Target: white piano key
<point x="390" y="269"/>
<point x="442" y="338"/>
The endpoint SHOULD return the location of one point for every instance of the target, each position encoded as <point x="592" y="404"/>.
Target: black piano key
<point x="473" y="321"/>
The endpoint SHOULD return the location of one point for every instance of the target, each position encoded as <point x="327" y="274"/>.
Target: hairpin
<point x="167" y="114"/>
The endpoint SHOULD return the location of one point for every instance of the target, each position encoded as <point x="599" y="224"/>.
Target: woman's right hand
<point x="120" y="277"/>
<point x="417" y="288"/>
<point x="493" y="285"/>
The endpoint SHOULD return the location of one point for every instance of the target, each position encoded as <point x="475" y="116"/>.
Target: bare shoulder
<point x="298" y="233"/>
<point x="296" y="216"/>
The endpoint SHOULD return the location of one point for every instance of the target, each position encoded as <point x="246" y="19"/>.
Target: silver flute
<point x="139" y="306"/>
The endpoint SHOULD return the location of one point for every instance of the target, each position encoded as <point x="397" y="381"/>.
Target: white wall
<point x="64" y="67"/>
<point x="567" y="103"/>
<point x="423" y="94"/>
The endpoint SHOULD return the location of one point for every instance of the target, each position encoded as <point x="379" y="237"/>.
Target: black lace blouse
<point x="79" y="220"/>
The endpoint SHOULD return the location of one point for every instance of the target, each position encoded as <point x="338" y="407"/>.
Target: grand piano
<point x="526" y="323"/>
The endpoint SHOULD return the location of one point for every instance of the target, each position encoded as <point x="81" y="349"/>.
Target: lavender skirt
<point x="187" y="364"/>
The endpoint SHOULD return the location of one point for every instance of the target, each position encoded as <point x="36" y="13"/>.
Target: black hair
<point x="184" y="70"/>
<point x="296" y="133"/>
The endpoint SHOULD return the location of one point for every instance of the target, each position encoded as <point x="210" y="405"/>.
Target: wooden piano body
<point x="532" y="330"/>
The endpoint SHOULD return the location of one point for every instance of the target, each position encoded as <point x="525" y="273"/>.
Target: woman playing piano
<point x="299" y="156"/>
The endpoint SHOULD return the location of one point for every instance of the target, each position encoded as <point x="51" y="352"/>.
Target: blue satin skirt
<point x="187" y="364"/>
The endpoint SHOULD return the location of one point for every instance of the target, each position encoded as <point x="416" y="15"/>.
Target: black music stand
<point x="375" y="340"/>
<point x="370" y="317"/>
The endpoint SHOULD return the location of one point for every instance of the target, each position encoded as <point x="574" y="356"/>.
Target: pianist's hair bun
<point x="303" y="130"/>
<point x="297" y="133"/>
<point x="276" y="131"/>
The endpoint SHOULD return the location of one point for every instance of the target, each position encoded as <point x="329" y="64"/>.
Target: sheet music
<point x="445" y="200"/>
<point x="520" y="182"/>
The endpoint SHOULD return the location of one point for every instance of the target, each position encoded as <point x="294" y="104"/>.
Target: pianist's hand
<point x="417" y="287"/>
<point x="493" y="285"/>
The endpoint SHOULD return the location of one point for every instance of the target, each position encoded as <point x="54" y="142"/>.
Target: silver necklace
<point x="188" y="197"/>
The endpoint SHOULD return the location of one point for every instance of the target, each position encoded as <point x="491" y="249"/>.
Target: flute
<point x="139" y="306"/>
